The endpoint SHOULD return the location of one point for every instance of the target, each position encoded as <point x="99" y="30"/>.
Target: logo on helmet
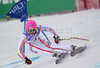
<point x="30" y="25"/>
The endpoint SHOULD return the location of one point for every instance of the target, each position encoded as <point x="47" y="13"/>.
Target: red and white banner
<point x="87" y="4"/>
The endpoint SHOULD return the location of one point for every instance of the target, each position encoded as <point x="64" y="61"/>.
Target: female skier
<point x="37" y="44"/>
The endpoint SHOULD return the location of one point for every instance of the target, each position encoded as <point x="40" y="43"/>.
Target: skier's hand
<point x="56" y="38"/>
<point x="27" y="61"/>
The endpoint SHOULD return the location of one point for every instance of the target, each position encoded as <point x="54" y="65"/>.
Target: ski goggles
<point x="31" y="31"/>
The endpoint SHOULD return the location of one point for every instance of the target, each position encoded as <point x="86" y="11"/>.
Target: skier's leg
<point x="41" y="50"/>
<point x="30" y="49"/>
<point x="50" y="45"/>
<point x="44" y="51"/>
<point x="66" y="47"/>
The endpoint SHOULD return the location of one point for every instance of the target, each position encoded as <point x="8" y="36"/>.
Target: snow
<point x="84" y="24"/>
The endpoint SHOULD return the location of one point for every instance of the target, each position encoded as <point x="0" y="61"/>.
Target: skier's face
<point x="32" y="31"/>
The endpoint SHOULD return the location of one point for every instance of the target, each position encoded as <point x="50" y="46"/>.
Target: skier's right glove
<point x="27" y="61"/>
<point x="56" y="38"/>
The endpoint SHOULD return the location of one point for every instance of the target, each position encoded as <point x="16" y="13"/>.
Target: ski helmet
<point x="30" y="24"/>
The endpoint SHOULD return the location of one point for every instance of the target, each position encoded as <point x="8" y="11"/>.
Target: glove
<point x="56" y="38"/>
<point x="27" y="61"/>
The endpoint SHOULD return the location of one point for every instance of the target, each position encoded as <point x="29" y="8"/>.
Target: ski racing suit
<point x="38" y="44"/>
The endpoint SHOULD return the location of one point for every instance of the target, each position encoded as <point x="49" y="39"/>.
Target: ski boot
<point x="77" y="50"/>
<point x="57" y="54"/>
<point x="73" y="49"/>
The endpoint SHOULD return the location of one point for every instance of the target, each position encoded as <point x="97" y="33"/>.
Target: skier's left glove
<point x="27" y="61"/>
<point x="56" y="38"/>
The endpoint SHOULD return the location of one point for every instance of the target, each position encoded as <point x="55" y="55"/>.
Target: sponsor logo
<point x="30" y="25"/>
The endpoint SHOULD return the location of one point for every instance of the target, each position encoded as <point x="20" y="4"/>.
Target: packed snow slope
<point x="83" y="24"/>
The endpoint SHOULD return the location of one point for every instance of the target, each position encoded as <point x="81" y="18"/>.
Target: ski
<point x="78" y="51"/>
<point x="62" y="56"/>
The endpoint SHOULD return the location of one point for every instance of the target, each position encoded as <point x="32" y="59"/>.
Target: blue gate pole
<point x="47" y="38"/>
<point x="45" y="35"/>
<point x="24" y="30"/>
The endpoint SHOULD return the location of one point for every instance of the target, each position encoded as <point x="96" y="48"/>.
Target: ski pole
<point x="80" y="38"/>
<point x="75" y="38"/>
<point x="20" y="56"/>
<point x="65" y="39"/>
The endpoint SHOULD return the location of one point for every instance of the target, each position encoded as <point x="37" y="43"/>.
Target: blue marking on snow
<point x="11" y="64"/>
<point x="32" y="59"/>
<point x="86" y="21"/>
<point x="97" y="65"/>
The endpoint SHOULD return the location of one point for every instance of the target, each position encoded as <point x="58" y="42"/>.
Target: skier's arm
<point x="20" y="50"/>
<point x="20" y="46"/>
<point x="43" y="28"/>
<point x="56" y="37"/>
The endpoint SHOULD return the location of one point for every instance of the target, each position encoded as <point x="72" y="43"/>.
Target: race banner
<point x="19" y="11"/>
